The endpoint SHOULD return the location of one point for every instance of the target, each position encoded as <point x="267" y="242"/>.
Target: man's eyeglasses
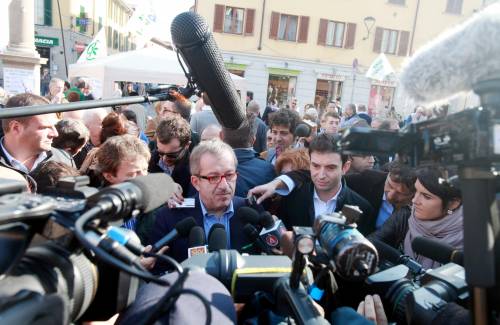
<point x="216" y="179"/>
<point x="171" y="155"/>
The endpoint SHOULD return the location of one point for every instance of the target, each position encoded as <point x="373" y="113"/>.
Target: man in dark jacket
<point x="171" y="156"/>
<point x="324" y="192"/>
<point x="27" y="141"/>
<point x="213" y="169"/>
<point x="252" y="170"/>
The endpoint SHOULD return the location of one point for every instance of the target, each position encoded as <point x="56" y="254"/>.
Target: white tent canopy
<point x="147" y="65"/>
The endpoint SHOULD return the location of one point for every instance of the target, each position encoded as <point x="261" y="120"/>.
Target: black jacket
<point x="393" y="231"/>
<point x="297" y="208"/>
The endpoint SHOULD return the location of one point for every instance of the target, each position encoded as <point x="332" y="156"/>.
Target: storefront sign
<point x="283" y="72"/>
<point x="46" y="41"/>
<point x="330" y="76"/>
<point x="385" y="83"/>
<point x="235" y="66"/>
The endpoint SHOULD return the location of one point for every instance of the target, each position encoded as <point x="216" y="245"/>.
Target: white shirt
<point x="19" y="165"/>
<point x="320" y="207"/>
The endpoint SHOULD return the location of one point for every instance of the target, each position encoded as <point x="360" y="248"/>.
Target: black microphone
<point x="195" y="43"/>
<point x="392" y="255"/>
<point x="181" y="229"/>
<point x="252" y="234"/>
<point x="197" y="242"/>
<point x="143" y="193"/>
<point x="437" y="251"/>
<point x="217" y="238"/>
<point x="248" y="215"/>
<point x="271" y="232"/>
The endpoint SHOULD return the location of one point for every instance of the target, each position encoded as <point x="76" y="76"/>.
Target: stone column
<point x="21" y="61"/>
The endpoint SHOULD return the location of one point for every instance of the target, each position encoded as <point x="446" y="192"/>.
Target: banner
<point x="96" y="49"/>
<point x="380" y="68"/>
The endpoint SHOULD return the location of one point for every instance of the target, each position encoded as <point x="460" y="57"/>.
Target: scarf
<point x="448" y="230"/>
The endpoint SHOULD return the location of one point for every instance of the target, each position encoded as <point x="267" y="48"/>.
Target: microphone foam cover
<point x="196" y="44"/>
<point x="430" y="248"/>
<point x="251" y="232"/>
<point x="266" y="219"/>
<point x="184" y="226"/>
<point x="248" y="215"/>
<point x="156" y="189"/>
<point x="386" y="252"/>
<point x="197" y="237"/>
<point x="217" y="238"/>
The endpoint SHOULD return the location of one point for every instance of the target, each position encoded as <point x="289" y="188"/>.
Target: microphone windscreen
<point x="386" y="252"/>
<point x="248" y="215"/>
<point x="197" y="237"/>
<point x="266" y="220"/>
<point x="302" y="131"/>
<point x="251" y="232"/>
<point x="217" y="238"/>
<point x="456" y="59"/>
<point x="436" y="251"/>
<point x="184" y="226"/>
<point x="196" y="44"/>
<point x="155" y="188"/>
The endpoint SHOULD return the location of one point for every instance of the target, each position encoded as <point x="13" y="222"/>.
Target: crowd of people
<point x="288" y="160"/>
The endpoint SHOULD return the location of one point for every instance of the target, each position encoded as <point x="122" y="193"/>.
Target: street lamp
<point x="369" y="23"/>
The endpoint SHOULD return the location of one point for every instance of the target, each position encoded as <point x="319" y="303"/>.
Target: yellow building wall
<point x="432" y="20"/>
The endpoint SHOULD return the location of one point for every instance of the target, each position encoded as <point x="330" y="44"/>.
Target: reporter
<point x="436" y="213"/>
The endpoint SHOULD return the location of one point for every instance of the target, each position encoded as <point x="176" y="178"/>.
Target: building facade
<point x="320" y="50"/>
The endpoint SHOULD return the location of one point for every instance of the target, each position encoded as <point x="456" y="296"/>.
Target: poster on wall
<point x="18" y="81"/>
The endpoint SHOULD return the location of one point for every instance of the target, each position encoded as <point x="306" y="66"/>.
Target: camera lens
<point x="396" y="295"/>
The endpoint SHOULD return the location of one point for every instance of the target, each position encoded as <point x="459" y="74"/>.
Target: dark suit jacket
<point x="297" y="208"/>
<point x="166" y="219"/>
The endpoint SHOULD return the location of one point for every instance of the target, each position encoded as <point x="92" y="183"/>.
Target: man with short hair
<point x="350" y="116"/>
<point x="252" y="170"/>
<point x="211" y="132"/>
<point x="330" y="123"/>
<point x="282" y="124"/>
<point x="200" y="120"/>
<point x="360" y="163"/>
<point x="73" y="135"/>
<point x="362" y="113"/>
<point x="27" y="141"/>
<point x="213" y="169"/>
<point x="56" y="91"/>
<point x="322" y="192"/>
<point x="171" y="156"/>
<point x="260" y="137"/>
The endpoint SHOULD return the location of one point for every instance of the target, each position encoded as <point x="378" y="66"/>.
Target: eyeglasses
<point x="171" y="155"/>
<point x="216" y="179"/>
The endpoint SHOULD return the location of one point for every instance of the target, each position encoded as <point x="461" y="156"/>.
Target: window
<point x="397" y="2"/>
<point x="389" y="41"/>
<point x="233" y="20"/>
<point x="454" y="7"/>
<point x="335" y="34"/>
<point x="287" y="29"/>
<point x="39" y="12"/>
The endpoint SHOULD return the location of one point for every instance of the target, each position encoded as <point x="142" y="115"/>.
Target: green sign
<point x="235" y="66"/>
<point x="283" y="72"/>
<point x="46" y="41"/>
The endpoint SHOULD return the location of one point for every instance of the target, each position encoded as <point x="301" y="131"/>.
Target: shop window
<point x="281" y="89"/>
<point x="240" y="73"/>
<point x="381" y="99"/>
<point x="327" y="91"/>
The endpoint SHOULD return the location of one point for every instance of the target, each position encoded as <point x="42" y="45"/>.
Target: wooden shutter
<point x="250" y="16"/>
<point x="275" y="22"/>
<point x="403" y="43"/>
<point x="303" y="29"/>
<point x="219" y="18"/>
<point x="323" y="26"/>
<point x="377" y="44"/>
<point x="350" y="36"/>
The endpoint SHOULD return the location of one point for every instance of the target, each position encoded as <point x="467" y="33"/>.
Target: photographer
<point x="436" y="213"/>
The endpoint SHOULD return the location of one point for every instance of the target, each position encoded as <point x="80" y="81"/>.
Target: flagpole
<point x="63" y="42"/>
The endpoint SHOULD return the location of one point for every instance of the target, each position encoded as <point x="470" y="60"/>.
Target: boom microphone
<point x="437" y="251"/>
<point x="456" y="60"/>
<point x="195" y="43"/>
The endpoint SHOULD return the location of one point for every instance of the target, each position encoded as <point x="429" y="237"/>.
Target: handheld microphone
<point x="395" y="257"/>
<point x="143" y="193"/>
<point x="217" y="238"/>
<point x="248" y="215"/>
<point x="437" y="251"/>
<point x="181" y="229"/>
<point x="253" y="235"/>
<point x="197" y="242"/>
<point x="452" y="62"/>
<point x="271" y="233"/>
<point x="195" y="43"/>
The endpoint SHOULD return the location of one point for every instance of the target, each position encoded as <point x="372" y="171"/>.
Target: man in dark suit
<point x="213" y="174"/>
<point x="323" y="192"/>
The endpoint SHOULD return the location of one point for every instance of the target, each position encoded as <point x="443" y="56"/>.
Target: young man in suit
<point x="324" y="192"/>
<point x="213" y="174"/>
